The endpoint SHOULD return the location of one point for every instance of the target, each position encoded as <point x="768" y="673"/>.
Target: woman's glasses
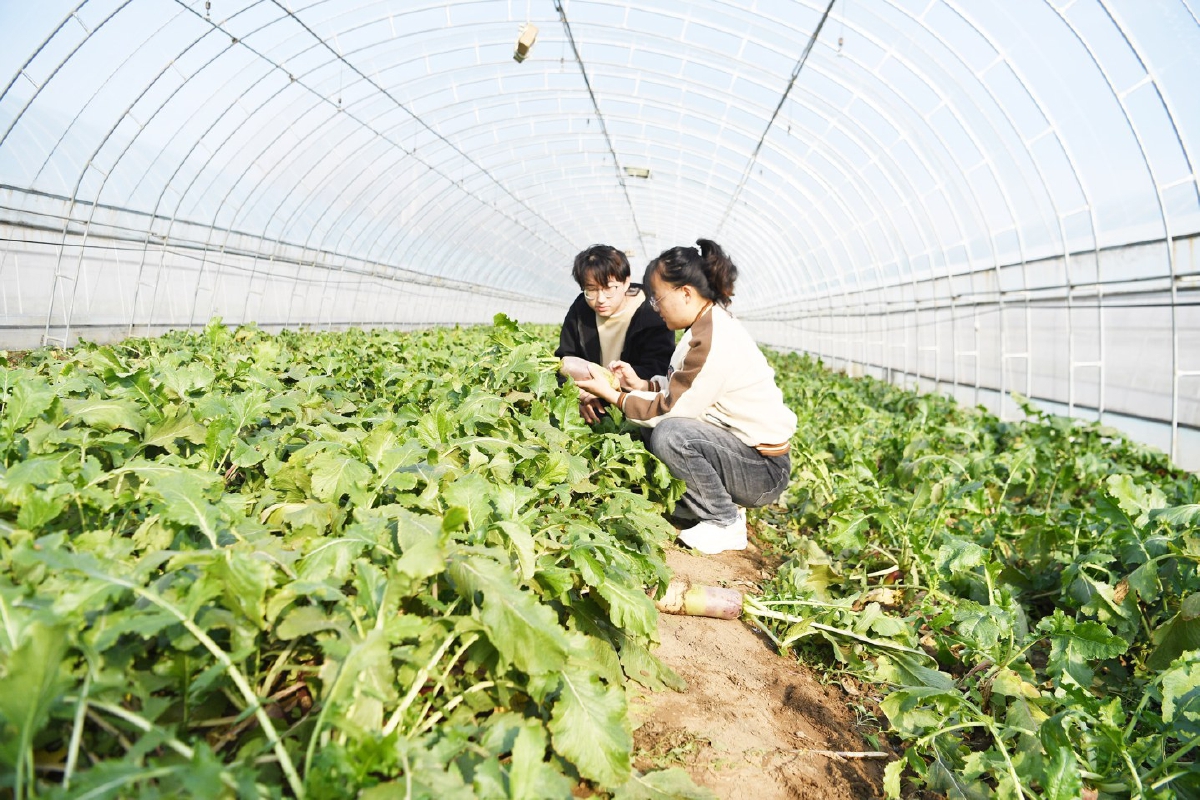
<point x="654" y="300"/>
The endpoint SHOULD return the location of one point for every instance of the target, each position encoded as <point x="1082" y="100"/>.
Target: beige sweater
<point x="612" y="331"/>
<point x="718" y="375"/>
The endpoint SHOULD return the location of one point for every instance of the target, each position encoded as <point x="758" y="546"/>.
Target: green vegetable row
<point x="1024" y="595"/>
<point x="317" y="564"/>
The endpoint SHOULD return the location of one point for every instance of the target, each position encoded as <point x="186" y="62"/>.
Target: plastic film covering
<point x="973" y="197"/>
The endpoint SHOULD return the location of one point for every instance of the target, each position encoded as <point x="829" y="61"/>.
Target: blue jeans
<point x="721" y="472"/>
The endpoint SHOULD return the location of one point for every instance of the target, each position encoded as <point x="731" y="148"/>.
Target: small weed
<point x="673" y="749"/>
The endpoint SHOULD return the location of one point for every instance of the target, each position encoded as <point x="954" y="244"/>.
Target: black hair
<point x="706" y="269"/>
<point x="601" y="263"/>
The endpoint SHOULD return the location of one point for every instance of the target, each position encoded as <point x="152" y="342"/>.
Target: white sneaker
<point x="710" y="538"/>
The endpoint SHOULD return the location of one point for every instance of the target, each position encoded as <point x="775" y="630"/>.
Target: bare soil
<point x="750" y="720"/>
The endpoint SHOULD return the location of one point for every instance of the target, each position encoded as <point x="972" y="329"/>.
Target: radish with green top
<point x="580" y="369"/>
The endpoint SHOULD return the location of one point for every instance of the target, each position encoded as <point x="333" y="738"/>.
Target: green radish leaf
<point x="529" y="773"/>
<point x="914" y="711"/>
<point x="983" y="626"/>
<point x="891" y="779"/>
<point x="122" y="779"/>
<point x="1062" y="780"/>
<point x="247" y="407"/>
<point x="182" y="381"/>
<point x="639" y="664"/>
<point x="178" y="495"/>
<point x="1188" y="515"/>
<point x="472" y="494"/>
<point x="1181" y="693"/>
<point x="629" y="608"/>
<point x="309" y="516"/>
<point x="32" y="682"/>
<point x="1114" y="606"/>
<point x="359" y="685"/>
<point x="25" y="476"/>
<point x="245" y="579"/>
<point x="1144" y="581"/>
<point x="455" y="518"/>
<point x="903" y="669"/>
<point x="178" y="424"/>
<point x="147" y="624"/>
<point x="518" y="536"/>
<point x="524" y="632"/>
<point x="848" y="533"/>
<point x="1177" y="635"/>
<point x="421" y="558"/>
<point x="589" y="727"/>
<point x="889" y="627"/>
<point x="1136" y="501"/>
<point x="958" y="557"/>
<point x="106" y="361"/>
<point x="139" y="387"/>
<point x="334" y="476"/>
<point x="667" y="784"/>
<point x="946" y="778"/>
<point x="1075" y="645"/>
<point x="106" y="414"/>
<point x="39" y="509"/>
<point x="1008" y="683"/>
<point x="29" y="399"/>
<point x="379" y="446"/>
<point x="412" y="528"/>
<point x="330" y="561"/>
<point x="245" y="455"/>
<point x="307" y="620"/>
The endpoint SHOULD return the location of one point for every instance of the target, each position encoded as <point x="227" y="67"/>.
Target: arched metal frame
<point x="920" y="203"/>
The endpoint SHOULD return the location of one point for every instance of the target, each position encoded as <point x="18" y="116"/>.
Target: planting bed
<point x="400" y="565"/>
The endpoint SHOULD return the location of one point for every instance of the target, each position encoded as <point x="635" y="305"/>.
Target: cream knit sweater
<point x="718" y="375"/>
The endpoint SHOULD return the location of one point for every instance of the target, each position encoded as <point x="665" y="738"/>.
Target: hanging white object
<point x="525" y="39"/>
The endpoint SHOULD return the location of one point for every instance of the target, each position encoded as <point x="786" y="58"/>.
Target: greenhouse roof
<point x="832" y="147"/>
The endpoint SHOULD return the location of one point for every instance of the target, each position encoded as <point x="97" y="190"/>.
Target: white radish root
<point x="682" y="597"/>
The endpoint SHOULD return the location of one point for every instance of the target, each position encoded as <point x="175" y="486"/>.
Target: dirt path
<point x="746" y="724"/>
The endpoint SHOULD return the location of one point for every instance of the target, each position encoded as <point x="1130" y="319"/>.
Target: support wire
<point x="782" y="99"/>
<point x="562" y="14"/>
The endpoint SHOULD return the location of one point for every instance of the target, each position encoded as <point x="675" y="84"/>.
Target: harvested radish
<point x="580" y="369"/>
<point x="700" y="601"/>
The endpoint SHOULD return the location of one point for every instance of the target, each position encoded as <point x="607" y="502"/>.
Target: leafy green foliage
<point x="1025" y="595"/>
<point x="321" y="564"/>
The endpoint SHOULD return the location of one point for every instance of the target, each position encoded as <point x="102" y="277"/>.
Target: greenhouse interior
<point x="278" y="282"/>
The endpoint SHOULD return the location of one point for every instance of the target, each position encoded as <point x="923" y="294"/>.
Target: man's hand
<point x="591" y="408"/>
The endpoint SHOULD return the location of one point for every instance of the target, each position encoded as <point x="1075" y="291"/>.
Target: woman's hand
<point x="597" y="387"/>
<point x="628" y="377"/>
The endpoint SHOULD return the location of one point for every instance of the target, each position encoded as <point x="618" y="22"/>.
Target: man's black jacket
<point x="648" y="343"/>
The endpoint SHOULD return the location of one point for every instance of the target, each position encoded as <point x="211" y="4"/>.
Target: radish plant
<point x="1024" y="595"/>
<point x="319" y="564"/>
